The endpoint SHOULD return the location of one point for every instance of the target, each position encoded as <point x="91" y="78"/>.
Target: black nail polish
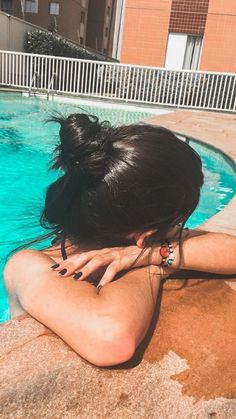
<point x="63" y="272"/>
<point x="99" y="287"/>
<point x="55" y="266"/>
<point x="77" y="275"/>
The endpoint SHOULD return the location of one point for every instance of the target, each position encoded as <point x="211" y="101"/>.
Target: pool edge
<point x="214" y="129"/>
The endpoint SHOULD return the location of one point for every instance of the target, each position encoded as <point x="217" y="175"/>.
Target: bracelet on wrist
<point x="167" y="253"/>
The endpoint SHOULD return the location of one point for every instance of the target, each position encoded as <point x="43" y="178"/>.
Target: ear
<point x="140" y="237"/>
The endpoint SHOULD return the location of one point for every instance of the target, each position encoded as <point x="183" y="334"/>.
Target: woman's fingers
<point x="96" y="263"/>
<point x="73" y="263"/>
<point x="109" y="275"/>
<point x="77" y="262"/>
<point x="81" y="266"/>
<point x="86" y="264"/>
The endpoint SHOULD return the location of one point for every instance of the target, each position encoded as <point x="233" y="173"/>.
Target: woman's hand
<point x="114" y="260"/>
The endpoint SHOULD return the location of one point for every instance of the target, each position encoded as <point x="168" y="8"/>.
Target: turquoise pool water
<point x="26" y="145"/>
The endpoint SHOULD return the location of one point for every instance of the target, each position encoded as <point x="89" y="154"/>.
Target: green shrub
<point x="46" y="43"/>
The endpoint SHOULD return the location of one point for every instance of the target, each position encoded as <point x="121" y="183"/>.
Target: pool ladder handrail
<point x="51" y="83"/>
<point x="32" y="81"/>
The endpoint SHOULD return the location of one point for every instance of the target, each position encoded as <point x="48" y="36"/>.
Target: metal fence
<point x="150" y="85"/>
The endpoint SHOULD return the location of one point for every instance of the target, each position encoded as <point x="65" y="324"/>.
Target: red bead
<point x="164" y="252"/>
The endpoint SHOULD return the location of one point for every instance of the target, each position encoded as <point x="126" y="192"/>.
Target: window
<point x="106" y="32"/>
<point x="108" y="10"/>
<point x="82" y="17"/>
<point x="53" y="8"/>
<point x="31" y="6"/>
<point x="81" y="40"/>
<point x="183" y="51"/>
<point x="192" y="53"/>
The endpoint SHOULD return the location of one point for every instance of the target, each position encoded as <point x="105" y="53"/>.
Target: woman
<point x="117" y="212"/>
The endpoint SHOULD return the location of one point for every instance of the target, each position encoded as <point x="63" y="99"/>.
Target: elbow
<point x="118" y="353"/>
<point x="113" y="354"/>
<point x="109" y="358"/>
<point x="109" y="347"/>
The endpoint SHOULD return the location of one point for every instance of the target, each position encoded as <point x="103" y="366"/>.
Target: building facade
<point x="100" y="26"/>
<point x="67" y="18"/>
<point x="180" y="34"/>
<point x="87" y="22"/>
<point x="7" y="6"/>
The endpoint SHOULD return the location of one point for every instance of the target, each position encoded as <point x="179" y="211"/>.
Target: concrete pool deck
<point x="185" y="367"/>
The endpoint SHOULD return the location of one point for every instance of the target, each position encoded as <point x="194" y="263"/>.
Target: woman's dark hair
<point x="119" y="180"/>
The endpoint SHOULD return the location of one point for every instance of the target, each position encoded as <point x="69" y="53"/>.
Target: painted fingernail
<point x="62" y="272"/>
<point x="77" y="275"/>
<point x="99" y="287"/>
<point x="55" y="266"/>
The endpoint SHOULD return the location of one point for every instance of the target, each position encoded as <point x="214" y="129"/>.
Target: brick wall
<point x="145" y="33"/>
<point x="219" y="47"/>
<point x="188" y="16"/>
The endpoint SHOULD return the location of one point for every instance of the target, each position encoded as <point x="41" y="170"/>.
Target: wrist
<point x="155" y="256"/>
<point x="157" y="259"/>
<point x="176" y="262"/>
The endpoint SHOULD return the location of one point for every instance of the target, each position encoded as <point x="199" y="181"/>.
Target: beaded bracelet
<point x="167" y="253"/>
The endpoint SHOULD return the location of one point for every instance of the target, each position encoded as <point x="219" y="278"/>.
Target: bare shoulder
<point x="21" y="270"/>
<point x="26" y="260"/>
<point x="193" y="233"/>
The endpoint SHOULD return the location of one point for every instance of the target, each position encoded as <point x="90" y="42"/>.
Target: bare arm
<point x="199" y="250"/>
<point x="207" y="252"/>
<point x="105" y="329"/>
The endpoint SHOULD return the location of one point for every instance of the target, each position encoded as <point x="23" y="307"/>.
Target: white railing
<point x="151" y="85"/>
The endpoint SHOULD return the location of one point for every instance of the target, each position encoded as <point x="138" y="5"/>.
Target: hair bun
<point x="84" y="147"/>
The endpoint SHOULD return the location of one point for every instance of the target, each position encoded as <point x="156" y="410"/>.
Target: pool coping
<point x="217" y="130"/>
<point x="92" y="101"/>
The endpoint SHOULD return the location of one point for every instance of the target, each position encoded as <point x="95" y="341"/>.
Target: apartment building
<point x="100" y="25"/>
<point x="179" y="34"/>
<point x="87" y="22"/>
<point x="68" y="18"/>
<point x="7" y="6"/>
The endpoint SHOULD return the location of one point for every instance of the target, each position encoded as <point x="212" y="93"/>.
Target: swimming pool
<point x="26" y="144"/>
